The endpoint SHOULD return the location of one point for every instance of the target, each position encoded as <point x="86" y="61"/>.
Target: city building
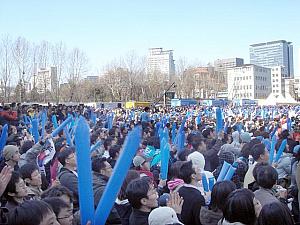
<point x="278" y="74"/>
<point x="44" y="80"/>
<point x="161" y="61"/>
<point x="204" y="80"/>
<point x="222" y="65"/>
<point x="274" y="53"/>
<point x="92" y="78"/>
<point x="249" y="82"/>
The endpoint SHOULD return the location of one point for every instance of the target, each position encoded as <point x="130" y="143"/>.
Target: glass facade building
<point x="274" y="53"/>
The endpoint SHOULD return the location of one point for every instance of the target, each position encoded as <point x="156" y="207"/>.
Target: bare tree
<point x="21" y="53"/>
<point x="44" y="54"/>
<point x="6" y="67"/>
<point x="59" y="52"/>
<point x="77" y="68"/>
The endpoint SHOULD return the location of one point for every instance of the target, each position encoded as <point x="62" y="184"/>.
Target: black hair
<point x="136" y="190"/>
<point x="267" y="177"/>
<point x="174" y="169"/>
<point x="29" y="213"/>
<point x="131" y="175"/>
<point x="253" y="142"/>
<point x="98" y="163"/>
<point x="186" y="171"/>
<point x="182" y="155"/>
<point x="107" y="142"/>
<point x="114" y="150"/>
<point x="220" y="192"/>
<point x="11" y="186"/>
<point x="246" y="150"/>
<point x="27" y="169"/>
<point x="63" y="155"/>
<point x="275" y="213"/>
<point x="284" y="134"/>
<point x="207" y="132"/>
<point x="239" y="207"/>
<point x="257" y="167"/>
<point x="120" y="141"/>
<point x="56" y="204"/>
<point x="26" y="146"/>
<point x="57" y="191"/>
<point x="258" y="150"/>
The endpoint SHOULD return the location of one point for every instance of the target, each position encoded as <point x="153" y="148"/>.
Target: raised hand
<point x="175" y="202"/>
<point x="5" y="176"/>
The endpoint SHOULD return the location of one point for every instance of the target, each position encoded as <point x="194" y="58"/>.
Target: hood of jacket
<point x="225" y="222"/>
<point x="209" y="217"/>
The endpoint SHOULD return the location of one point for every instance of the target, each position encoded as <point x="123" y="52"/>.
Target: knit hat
<point x="163" y="199"/>
<point x="296" y="149"/>
<point x="163" y="215"/>
<point x="9" y="151"/>
<point x="138" y="160"/>
<point x="236" y="136"/>
<point x="245" y="137"/>
<point x="197" y="159"/>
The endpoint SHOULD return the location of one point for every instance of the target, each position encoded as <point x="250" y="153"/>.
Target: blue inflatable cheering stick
<point x="115" y="182"/>
<point x="86" y="196"/>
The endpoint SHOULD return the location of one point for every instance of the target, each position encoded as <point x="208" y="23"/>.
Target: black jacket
<point x="124" y="210"/>
<point x="68" y="179"/>
<point x="193" y="200"/>
<point x="138" y="217"/>
<point x="99" y="184"/>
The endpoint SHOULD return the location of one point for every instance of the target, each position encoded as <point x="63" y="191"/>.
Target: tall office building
<point x="274" y="53"/>
<point x="223" y="65"/>
<point x="161" y="61"/>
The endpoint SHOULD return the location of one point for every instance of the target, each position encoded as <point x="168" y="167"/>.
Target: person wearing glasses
<point x="102" y="171"/>
<point x="68" y="176"/>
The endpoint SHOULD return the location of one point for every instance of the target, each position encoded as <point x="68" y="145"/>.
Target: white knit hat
<point x="197" y="159"/>
<point x="163" y="215"/>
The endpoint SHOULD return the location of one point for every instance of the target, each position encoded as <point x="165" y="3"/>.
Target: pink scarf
<point x="173" y="184"/>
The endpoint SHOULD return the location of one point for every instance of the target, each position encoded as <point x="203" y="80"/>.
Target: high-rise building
<point x="45" y="80"/>
<point x="161" y="61"/>
<point x="249" y="82"/>
<point x="274" y="53"/>
<point x="222" y="65"/>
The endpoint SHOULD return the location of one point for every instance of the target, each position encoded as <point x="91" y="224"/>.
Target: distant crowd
<point x="227" y="166"/>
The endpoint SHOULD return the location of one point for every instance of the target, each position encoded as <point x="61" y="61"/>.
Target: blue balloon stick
<point x="205" y="183"/>
<point x="223" y="171"/>
<point x="115" y="182"/>
<point x="86" y="196"/>
<point x="230" y="173"/>
<point x="3" y="138"/>
<point x="61" y="127"/>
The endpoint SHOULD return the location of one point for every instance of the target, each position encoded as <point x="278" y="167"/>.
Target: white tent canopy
<point x="277" y="99"/>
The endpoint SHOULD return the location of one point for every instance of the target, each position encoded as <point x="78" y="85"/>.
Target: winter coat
<point x="225" y="222"/>
<point x="30" y="157"/>
<point x="211" y="154"/>
<point x="138" y="217"/>
<point x="265" y="196"/>
<point x="210" y="217"/>
<point x="193" y="201"/>
<point x="99" y="184"/>
<point x="124" y="210"/>
<point x="284" y="167"/>
<point x="69" y="179"/>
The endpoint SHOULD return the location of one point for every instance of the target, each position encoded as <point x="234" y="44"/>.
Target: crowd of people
<point x="39" y="180"/>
